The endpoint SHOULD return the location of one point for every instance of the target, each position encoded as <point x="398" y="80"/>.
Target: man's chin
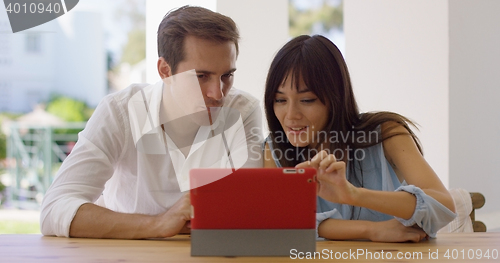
<point x="204" y="117"/>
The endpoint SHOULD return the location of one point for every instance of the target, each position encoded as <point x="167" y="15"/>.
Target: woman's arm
<point x="334" y="187"/>
<point x="385" y="231"/>
<point x="409" y="164"/>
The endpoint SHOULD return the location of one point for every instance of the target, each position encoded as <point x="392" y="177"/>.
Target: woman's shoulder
<point x="392" y="127"/>
<point x="270" y="159"/>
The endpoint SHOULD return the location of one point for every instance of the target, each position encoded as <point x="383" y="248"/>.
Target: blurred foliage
<point x="2" y="187"/>
<point x="19" y="227"/>
<point x="135" y="49"/>
<point x="2" y="191"/>
<point x="3" y="144"/>
<point x="69" y="109"/>
<point x="9" y="115"/>
<point x="303" y="22"/>
<point x="134" y="13"/>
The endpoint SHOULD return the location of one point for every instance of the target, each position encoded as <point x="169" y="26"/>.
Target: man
<point x="126" y="176"/>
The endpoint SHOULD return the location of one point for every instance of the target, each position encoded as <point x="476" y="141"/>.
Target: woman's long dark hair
<point x="320" y="64"/>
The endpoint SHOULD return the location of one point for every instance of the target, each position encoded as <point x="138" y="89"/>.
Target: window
<point x="33" y="43"/>
<point x="5" y="96"/>
<point x="324" y="17"/>
<point x="4" y="38"/>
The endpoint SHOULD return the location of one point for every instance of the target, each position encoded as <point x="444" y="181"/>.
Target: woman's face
<point x="301" y="114"/>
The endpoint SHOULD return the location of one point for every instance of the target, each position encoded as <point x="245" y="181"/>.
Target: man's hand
<point x="93" y="221"/>
<point x="177" y="219"/>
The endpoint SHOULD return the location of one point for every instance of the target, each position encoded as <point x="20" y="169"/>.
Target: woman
<point x="373" y="182"/>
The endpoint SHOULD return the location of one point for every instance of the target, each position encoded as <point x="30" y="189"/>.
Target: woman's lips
<point x="296" y="130"/>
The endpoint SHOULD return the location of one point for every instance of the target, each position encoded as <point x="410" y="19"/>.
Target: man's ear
<point x="164" y="68"/>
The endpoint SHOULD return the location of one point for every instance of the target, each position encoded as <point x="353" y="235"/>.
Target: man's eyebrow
<point x="231" y="71"/>
<point x="210" y="72"/>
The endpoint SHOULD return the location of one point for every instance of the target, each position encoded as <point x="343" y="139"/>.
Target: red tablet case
<point x="272" y="202"/>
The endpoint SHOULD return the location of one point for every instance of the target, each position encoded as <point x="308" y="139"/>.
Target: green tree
<point x="134" y="50"/>
<point x="327" y="15"/>
<point x="3" y="144"/>
<point x="69" y="109"/>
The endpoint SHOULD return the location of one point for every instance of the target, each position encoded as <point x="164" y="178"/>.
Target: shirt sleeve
<point x="248" y="140"/>
<point x="429" y="214"/>
<point x="83" y="174"/>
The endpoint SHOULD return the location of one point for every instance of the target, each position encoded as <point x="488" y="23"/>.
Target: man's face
<point x="214" y="64"/>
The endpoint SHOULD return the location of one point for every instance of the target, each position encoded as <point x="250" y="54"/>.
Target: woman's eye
<point x="308" y="100"/>
<point x="201" y="76"/>
<point x="279" y="100"/>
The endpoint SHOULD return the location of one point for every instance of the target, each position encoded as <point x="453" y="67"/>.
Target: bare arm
<point x="385" y="231"/>
<point x="93" y="221"/>
<point x="404" y="157"/>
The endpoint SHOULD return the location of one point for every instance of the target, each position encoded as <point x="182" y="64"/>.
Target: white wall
<point x="437" y="62"/>
<point x="397" y="54"/>
<point x="474" y="101"/>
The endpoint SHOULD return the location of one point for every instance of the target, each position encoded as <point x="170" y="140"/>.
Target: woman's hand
<point x="393" y="231"/>
<point x="331" y="178"/>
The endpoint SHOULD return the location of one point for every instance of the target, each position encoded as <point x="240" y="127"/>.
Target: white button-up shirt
<point x="121" y="164"/>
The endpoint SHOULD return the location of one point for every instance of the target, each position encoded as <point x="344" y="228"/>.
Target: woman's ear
<point x="164" y="68"/>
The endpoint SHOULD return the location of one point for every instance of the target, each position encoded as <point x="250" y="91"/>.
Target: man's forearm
<point x="93" y="221"/>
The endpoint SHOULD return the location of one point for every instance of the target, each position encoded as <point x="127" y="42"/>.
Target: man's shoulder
<point x="241" y="100"/>
<point x="120" y="99"/>
<point x="126" y="93"/>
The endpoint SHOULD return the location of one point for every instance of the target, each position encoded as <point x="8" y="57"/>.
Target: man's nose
<point x="214" y="90"/>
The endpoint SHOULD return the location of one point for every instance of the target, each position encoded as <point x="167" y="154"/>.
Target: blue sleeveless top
<point x="377" y="174"/>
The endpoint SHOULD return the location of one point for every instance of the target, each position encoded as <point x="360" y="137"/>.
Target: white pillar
<point x="437" y="62"/>
<point x="397" y="53"/>
<point x="474" y="102"/>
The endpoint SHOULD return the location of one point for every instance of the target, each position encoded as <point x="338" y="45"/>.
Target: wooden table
<point x="37" y="248"/>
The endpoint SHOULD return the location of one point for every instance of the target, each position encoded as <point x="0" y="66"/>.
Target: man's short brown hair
<point x="194" y="21"/>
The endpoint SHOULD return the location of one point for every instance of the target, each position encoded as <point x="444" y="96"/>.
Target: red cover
<point x="253" y="198"/>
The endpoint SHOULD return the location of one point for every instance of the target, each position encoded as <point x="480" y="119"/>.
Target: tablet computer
<point x="252" y="211"/>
